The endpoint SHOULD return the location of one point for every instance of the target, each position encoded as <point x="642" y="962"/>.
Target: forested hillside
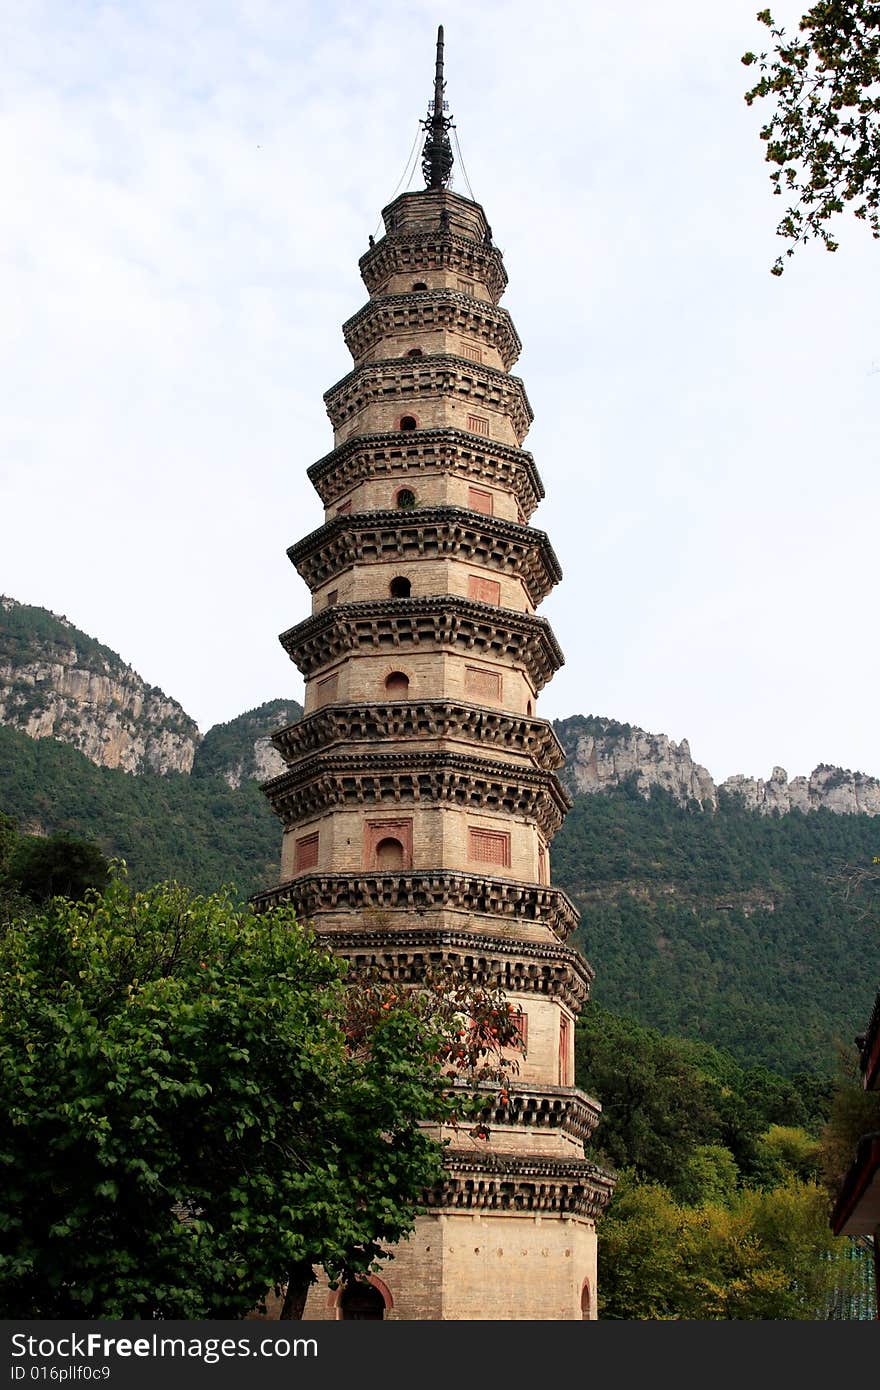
<point x="726" y="926"/>
<point x="198" y="830"/>
<point x="241" y="749"/>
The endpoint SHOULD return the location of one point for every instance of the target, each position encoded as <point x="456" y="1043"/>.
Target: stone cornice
<point x="420" y="208"/>
<point x="423" y="719"/>
<point x="400" y="252"/>
<point x="388" y="314"/>
<point x="445" y="622"/>
<point x="488" y="1181"/>
<point x="407" y="379"/>
<point x="403" y="955"/>
<point x="397" y="453"/>
<point x="428" y="533"/>
<point x="332" y="780"/>
<point x="545" y="1107"/>
<point x="416" y="891"/>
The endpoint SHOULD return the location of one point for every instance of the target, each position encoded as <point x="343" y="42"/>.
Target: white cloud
<point x="188" y="191"/>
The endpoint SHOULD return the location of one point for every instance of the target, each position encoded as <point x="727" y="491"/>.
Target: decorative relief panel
<point x="306" y="853"/>
<point x="489" y="846"/>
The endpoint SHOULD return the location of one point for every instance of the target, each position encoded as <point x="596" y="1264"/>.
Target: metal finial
<point x="437" y="154"/>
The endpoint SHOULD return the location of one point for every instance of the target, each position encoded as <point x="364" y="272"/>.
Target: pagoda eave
<point x="330" y="780"/>
<point x="442" y="376"/>
<point x="417" y="720"/>
<point x="445" y="622"/>
<point x="422" y="890"/>
<point x="430" y="250"/>
<point x="507" y="547"/>
<point x="404" y="955"/>
<point x="392" y="452"/>
<point x="448" y="310"/>
<point x="495" y="1182"/>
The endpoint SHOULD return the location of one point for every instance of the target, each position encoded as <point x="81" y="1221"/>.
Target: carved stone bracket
<point x="428" y="533"/>
<point x="402" y="453"/>
<point x="442" y="622"/>
<point x="414" y="891"/>
<point x="562" y="1108"/>
<point x="427" y="719"/>
<point x="506" y="1183"/>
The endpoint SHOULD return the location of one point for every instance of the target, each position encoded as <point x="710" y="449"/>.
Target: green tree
<point x="854" y="1113"/>
<point x="8" y="843"/>
<point x="710" y="1174"/>
<point x="12" y="901"/>
<point x="791" y="1152"/>
<point x="196" y="1109"/>
<point x="656" y="1104"/>
<point x="756" y="1256"/>
<point x="823" y="133"/>
<point x="58" y="866"/>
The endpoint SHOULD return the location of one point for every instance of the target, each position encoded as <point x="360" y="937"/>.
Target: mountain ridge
<point x="602" y="754"/>
<point x="701" y="917"/>
<point x="56" y="681"/>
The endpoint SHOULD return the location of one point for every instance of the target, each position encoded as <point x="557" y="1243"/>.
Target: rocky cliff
<point x="602" y="753"/>
<point x="835" y="788"/>
<point x="240" y="750"/>
<point x="57" y="682"/>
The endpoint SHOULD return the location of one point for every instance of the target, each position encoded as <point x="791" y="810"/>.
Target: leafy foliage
<point x="33" y="869"/>
<point x="755" y="1255"/>
<point x="853" y="1113"/>
<point x="61" y="866"/>
<point x="197" y="831"/>
<point x="824" y="129"/>
<point x="665" y="1099"/>
<point x="196" y="1109"/>
<point x="719" y="1212"/>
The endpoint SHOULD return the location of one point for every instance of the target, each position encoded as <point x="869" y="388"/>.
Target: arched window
<point x="361" y="1301"/>
<point x="390" y="854"/>
<point x="420" y="285"/>
<point x="586" y="1304"/>
<point x="408" y="422"/>
<point x="529" y="708"/>
<point x="415" y="352"/>
<point x="400" y="587"/>
<point x="397" y="684"/>
<point x="405" y="498"/>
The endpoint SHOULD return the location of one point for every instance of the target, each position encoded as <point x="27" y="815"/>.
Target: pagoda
<point x="420" y="794"/>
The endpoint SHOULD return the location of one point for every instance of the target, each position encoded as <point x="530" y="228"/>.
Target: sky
<point x="187" y="191"/>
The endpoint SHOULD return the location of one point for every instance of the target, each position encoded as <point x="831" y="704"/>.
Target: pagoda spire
<point x="437" y="153"/>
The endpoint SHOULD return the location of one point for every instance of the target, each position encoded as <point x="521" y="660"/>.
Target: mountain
<point x="701" y="916"/>
<point x="57" y="682"/>
<point x="198" y="830"/>
<point x="602" y="754"/>
<point x="743" y="930"/>
<point x="241" y="750"/>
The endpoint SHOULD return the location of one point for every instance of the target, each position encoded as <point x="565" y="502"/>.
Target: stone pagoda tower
<point x="420" y="795"/>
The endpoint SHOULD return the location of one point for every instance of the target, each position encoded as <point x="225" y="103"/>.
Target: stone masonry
<point x="420" y="794"/>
